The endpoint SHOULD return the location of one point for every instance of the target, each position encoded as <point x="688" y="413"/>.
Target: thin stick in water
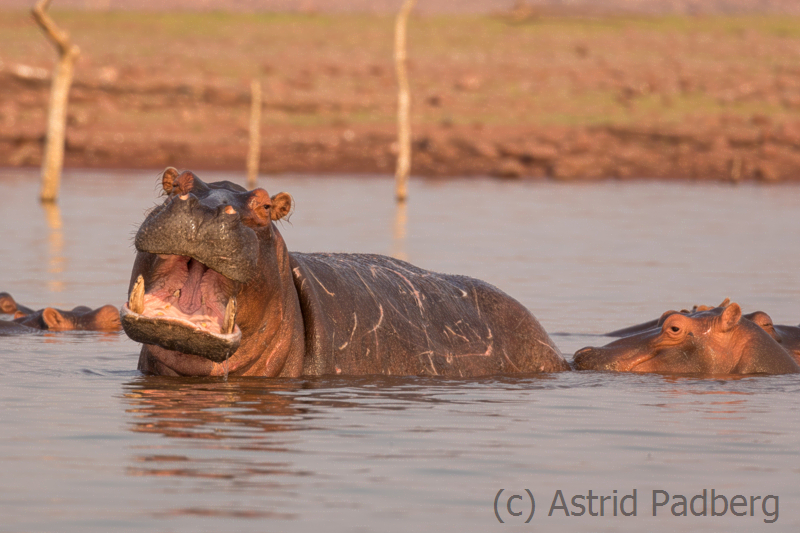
<point x="403" y="103"/>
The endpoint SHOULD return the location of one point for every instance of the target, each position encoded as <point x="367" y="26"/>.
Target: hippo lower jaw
<point x="179" y="335"/>
<point x="186" y="311"/>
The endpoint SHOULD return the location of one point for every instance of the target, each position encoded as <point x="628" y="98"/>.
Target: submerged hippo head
<point x="196" y="252"/>
<point x="715" y="341"/>
<point x="10" y="306"/>
<point x="80" y="318"/>
<point x="787" y="336"/>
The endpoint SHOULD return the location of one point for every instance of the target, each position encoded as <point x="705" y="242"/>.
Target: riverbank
<point x="569" y="98"/>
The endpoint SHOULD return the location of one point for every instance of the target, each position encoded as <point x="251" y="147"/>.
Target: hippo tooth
<point x="230" y="315"/>
<point x="177" y="293"/>
<point x="136" y="300"/>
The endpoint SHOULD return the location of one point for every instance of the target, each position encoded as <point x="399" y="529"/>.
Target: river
<point x="89" y="444"/>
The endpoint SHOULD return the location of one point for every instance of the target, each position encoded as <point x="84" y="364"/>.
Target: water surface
<point x="88" y="444"/>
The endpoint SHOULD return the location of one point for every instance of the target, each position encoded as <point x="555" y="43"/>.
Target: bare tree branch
<point x="60" y="38"/>
<point x="53" y="159"/>
<point x="254" y="151"/>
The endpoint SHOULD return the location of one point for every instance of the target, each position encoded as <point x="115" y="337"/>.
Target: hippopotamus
<point x="80" y="318"/>
<point x="787" y="336"/>
<point x="9" y="306"/>
<point x="214" y="291"/>
<point x="715" y="341"/>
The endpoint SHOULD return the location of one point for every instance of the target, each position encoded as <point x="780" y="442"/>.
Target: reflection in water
<point x="399" y="234"/>
<point x="223" y="435"/>
<point x="55" y="242"/>
<point x="209" y="409"/>
<point x="731" y="405"/>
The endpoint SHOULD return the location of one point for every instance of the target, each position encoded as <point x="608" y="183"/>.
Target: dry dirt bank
<point x="566" y="98"/>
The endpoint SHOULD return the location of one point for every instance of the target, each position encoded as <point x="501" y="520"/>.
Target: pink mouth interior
<point x="202" y="298"/>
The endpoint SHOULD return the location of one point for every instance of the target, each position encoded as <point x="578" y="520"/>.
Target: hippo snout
<point x="586" y="358"/>
<point x="210" y="231"/>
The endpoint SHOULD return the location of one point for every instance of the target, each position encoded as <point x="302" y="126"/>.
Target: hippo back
<point x="372" y="314"/>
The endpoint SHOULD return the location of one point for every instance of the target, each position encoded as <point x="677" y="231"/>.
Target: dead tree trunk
<point x="53" y="159"/>
<point x="399" y="234"/>
<point x="254" y="152"/>
<point x="403" y="103"/>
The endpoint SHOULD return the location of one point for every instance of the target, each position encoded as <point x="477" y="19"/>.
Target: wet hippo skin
<point x="9" y="327"/>
<point x="716" y="341"/>
<point x="214" y="290"/>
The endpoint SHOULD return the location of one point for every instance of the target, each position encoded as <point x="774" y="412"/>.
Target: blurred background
<point x="568" y="90"/>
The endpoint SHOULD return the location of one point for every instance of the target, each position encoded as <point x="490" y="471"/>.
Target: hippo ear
<point x="281" y="205"/>
<point x="54" y="320"/>
<point x="183" y="183"/>
<point x="186" y="183"/>
<point x="730" y="317"/>
<point x="106" y="318"/>
<point x="168" y="179"/>
<point x="7" y="303"/>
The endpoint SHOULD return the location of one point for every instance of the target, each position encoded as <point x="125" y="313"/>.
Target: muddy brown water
<point x="89" y="444"/>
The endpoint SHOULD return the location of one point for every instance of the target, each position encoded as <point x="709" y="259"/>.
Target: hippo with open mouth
<point x="214" y="291"/>
<point x="715" y="341"/>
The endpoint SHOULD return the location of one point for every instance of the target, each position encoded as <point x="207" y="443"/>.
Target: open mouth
<point x="189" y="308"/>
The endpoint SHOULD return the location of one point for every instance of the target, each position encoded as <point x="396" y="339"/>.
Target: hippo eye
<point x="673" y="329"/>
